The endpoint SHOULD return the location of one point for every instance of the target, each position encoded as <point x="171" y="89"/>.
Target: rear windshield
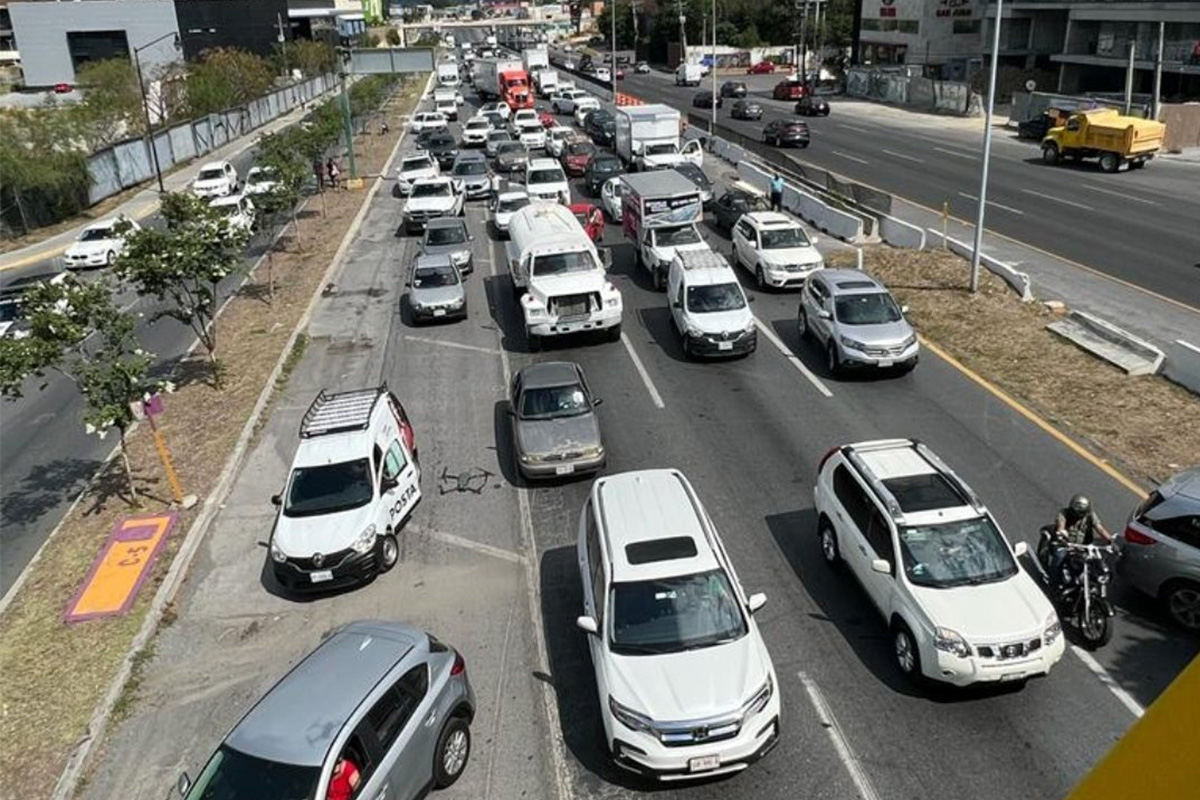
<point x="554" y="175"/>
<point x="514" y="204"/>
<point x="472" y="167"/>
<point x="448" y="235"/>
<point x="433" y="277"/>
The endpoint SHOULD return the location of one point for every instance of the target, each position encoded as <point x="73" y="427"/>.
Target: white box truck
<point x="648" y="138"/>
<point x="546" y="81"/>
<point x="559" y="275"/>
<point x="688" y="74"/>
<point x="447" y="73"/>
<point x="659" y="212"/>
<point x="536" y="58"/>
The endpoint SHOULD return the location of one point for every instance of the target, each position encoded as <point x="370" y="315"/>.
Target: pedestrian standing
<point x="776" y="193"/>
<point x="319" y="171"/>
<point x="332" y="167"/>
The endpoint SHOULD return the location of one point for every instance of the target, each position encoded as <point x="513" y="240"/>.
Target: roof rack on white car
<point x="852" y="453"/>
<point x="340" y="412"/>
<point x="701" y="259"/>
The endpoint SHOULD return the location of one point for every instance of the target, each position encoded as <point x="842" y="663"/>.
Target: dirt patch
<point x="1146" y="424"/>
<point x="55" y="675"/>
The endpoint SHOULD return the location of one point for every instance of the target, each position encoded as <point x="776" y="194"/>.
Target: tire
<point x="802" y="323"/>
<point x="1096" y="630"/>
<point x="389" y="552"/>
<point x="452" y="752"/>
<point x="1110" y="162"/>
<point x="1050" y="154"/>
<point x="833" y="360"/>
<point x="829" y="545"/>
<point x="904" y="649"/>
<point x="109" y="258"/>
<point x="760" y="278"/>
<point x="1181" y="601"/>
<point x="614" y="333"/>
<point x="535" y="342"/>
<point x="554" y="108"/>
<point x="660" y="279"/>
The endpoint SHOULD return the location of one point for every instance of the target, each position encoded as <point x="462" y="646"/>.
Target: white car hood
<point x="720" y="321"/>
<point x="429" y="203"/>
<point x="664" y="159"/>
<point x="415" y="174"/>
<point x="93" y="248"/>
<point x="781" y="257"/>
<point x="991" y="613"/>
<point x="577" y="283"/>
<point x="690" y="685"/>
<point x="300" y="537"/>
<point x="548" y="189"/>
<point x="218" y="183"/>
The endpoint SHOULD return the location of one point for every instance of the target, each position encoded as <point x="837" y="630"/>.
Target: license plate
<point x="724" y="345"/>
<point x="439" y="312"/>
<point x="703" y="763"/>
<point x="1012" y="676"/>
<point x="887" y="362"/>
<point x="321" y="576"/>
<point x="564" y="469"/>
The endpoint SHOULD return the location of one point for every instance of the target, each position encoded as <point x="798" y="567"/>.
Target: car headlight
<point x="750" y="326"/>
<point x="760" y="699"/>
<point x="594" y="451"/>
<point x="458" y="302"/>
<point x="1053" y="629"/>
<point x="950" y="641"/>
<point x="694" y="333"/>
<point x="277" y="555"/>
<point x="852" y="343"/>
<point x="630" y="718"/>
<point x="365" y="540"/>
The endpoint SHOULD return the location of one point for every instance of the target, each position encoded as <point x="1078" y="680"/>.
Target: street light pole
<point x="987" y="151"/>
<point x="712" y="119"/>
<point x="612" y="72"/>
<point x="137" y="63"/>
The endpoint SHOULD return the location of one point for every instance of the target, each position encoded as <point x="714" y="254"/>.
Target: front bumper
<point x="430" y="313"/>
<point x="478" y="191"/>
<point x="880" y="358"/>
<point x="418" y="221"/>
<point x="570" y="464"/>
<point x="476" y="142"/>
<point x="719" y="346"/>
<point x="337" y="571"/>
<point x="948" y="668"/>
<point x="599" y="320"/>
<point x="645" y="755"/>
<point x="89" y="260"/>
<point x="789" y="279"/>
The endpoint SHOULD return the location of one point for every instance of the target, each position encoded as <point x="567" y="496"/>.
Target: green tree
<point x="283" y="159"/>
<point x="77" y="330"/>
<point x="184" y="264"/>
<point x="310" y="56"/>
<point x="43" y="167"/>
<point x="111" y="109"/>
<point x="225" y="77"/>
<point x="625" y="31"/>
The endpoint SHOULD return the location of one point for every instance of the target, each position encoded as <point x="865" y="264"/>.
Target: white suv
<point x="708" y="307"/>
<point x="354" y="482"/>
<point x="776" y="249"/>
<point x="959" y="606"/>
<point x="546" y="181"/>
<point x="686" y="686"/>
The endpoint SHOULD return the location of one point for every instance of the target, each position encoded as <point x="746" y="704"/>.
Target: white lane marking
<point x="1188" y="345"/>
<point x="792" y="357"/>
<point x="1100" y="672"/>
<point x="857" y="774"/>
<point x="491" y="351"/>
<point x="1058" y="199"/>
<point x="852" y="127"/>
<point x="975" y="197"/>
<point x="971" y="156"/>
<point x="655" y="397"/>
<point x="1121" y="195"/>
<point x="848" y="156"/>
<point x="901" y="155"/>
<point x="466" y="544"/>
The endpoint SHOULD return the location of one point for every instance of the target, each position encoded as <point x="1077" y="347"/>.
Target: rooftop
<point x="550" y="373"/>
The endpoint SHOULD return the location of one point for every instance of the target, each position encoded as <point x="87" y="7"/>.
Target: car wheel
<point x="1110" y="162"/>
<point x="802" y="322"/>
<point x="1182" y="603"/>
<point x="535" y="342"/>
<point x="554" y="108"/>
<point x="833" y="360"/>
<point x="760" y="278"/>
<point x="453" y="752"/>
<point x="108" y="259"/>
<point x="829" y="545"/>
<point x="660" y="280"/>
<point x="908" y="659"/>
<point x="614" y="333"/>
<point x="389" y="552"/>
<point x="1050" y="154"/>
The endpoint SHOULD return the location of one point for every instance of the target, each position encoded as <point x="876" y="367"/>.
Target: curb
<point x="69" y="779"/>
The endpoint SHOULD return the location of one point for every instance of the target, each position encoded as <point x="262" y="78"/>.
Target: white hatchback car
<point x="959" y="607"/>
<point x="686" y="685"/>
<point x="775" y="248"/>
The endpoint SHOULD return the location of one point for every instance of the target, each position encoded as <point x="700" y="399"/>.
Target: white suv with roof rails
<point x="687" y="688"/>
<point x="354" y="482"/>
<point x="958" y="604"/>
<point x="775" y="248"/>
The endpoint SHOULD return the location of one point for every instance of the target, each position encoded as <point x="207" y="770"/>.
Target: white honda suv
<point x="686" y="686"/>
<point x="959" y="607"/>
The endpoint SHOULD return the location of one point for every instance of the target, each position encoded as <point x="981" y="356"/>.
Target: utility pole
<point x="712" y="119"/>
<point x="1129" y="76"/>
<point x="804" y="45"/>
<point x="987" y="150"/>
<point x="682" y="32"/>
<point x="1158" y="64"/>
<point x="348" y="126"/>
<point x="612" y="71"/>
<point x="282" y="44"/>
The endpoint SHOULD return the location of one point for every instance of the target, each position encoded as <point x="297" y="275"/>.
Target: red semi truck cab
<point x="516" y="89"/>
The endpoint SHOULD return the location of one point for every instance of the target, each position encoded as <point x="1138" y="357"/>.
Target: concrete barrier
<point x="1017" y="280"/>
<point x="1183" y="365"/>
<point x="808" y="207"/>
<point x="1115" y="345"/>
<point x="899" y="233"/>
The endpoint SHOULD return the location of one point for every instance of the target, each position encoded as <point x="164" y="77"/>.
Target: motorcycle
<point x="1080" y="588"/>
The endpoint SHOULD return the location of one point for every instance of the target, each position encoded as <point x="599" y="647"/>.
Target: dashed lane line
<point x="1121" y="195"/>
<point x="848" y="157"/>
<point x="467" y="544"/>
<point x="1056" y="199"/>
<point x="1010" y="209"/>
<point x="655" y="397"/>
<point x="858" y="775"/>
<point x="894" y="154"/>
<point x="957" y="153"/>
<point x="491" y="351"/>
<point x="852" y="127"/>
<point x="794" y="359"/>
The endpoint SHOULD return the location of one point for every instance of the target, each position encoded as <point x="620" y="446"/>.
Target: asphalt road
<point x="46" y="457"/>
<point x="1140" y="226"/>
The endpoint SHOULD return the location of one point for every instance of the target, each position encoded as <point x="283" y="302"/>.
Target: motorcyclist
<point x="1078" y="523"/>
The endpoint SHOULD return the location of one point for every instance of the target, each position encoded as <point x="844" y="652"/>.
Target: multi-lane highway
<point x="749" y="434"/>
<point x="1140" y="226"/>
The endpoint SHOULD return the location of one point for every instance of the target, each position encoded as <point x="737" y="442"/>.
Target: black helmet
<point x="1080" y="504"/>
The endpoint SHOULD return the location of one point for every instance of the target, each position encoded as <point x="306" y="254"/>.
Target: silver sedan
<point x="555" y="429"/>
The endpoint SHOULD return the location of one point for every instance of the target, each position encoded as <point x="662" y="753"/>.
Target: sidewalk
<point x="145" y="203"/>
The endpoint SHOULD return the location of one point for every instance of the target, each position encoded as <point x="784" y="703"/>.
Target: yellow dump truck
<point x="1105" y="134"/>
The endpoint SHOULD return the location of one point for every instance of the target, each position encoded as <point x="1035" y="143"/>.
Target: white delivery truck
<point x="445" y="100"/>
<point x="546" y="81"/>
<point x="648" y="138"/>
<point x="447" y="73"/>
<point x="688" y="74"/>
<point x="559" y="275"/>
<point x="535" y="58"/>
<point x="659" y="212"/>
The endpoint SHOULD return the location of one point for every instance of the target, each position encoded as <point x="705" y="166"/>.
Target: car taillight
<point x="460" y="665"/>
<point x="824" y="458"/>
<point x="1134" y="536"/>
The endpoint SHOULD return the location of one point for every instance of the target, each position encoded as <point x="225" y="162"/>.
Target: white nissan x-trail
<point x="686" y="686"/>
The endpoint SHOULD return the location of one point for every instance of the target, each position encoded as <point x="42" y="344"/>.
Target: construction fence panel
<point x="105" y="178"/>
<point x="220" y="133"/>
<point x="133" y="162"/>
<point x="183" y="142"/>
<point x="162" y="148"/>
<point x="203" y="134"/>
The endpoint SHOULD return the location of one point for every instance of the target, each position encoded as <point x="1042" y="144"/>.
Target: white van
<point x="708" y="307"/>
<point x="354" y="482"/>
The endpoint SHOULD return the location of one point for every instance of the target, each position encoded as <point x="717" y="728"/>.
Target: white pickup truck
<point x="559" y="275"/>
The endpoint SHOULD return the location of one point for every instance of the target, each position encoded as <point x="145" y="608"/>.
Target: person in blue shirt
<point x="776" y="193"/>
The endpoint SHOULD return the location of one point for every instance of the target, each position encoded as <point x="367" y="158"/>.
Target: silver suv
<point x="856" y="320"/>
<point x="1160" y="548"/>
<point x="387" y="697"/>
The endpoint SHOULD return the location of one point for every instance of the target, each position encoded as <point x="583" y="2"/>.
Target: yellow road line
<point x="1072" y="445"/>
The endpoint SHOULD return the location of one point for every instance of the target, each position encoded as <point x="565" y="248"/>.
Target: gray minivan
<point x="387" y="696"/>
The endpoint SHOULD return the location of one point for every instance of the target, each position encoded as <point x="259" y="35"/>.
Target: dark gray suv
<point x="385" y="697"/>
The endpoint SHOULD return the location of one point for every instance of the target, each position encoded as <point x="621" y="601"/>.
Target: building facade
<point x="942" y="36"/>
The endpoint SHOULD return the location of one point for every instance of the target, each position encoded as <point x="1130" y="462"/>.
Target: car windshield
<point x="441" y="141"/>
<point x="605" y="166"/>
<point x="562" y="263"/>
<point x="433" y="277"/>
<point x="512" y="204"/>
<point x="96" y="234"/>
<point x="670" y="615"/>
<point x="968" y="552"/>
<point x="451" y="234"/>
<point x="472" y="167"/>
<point x="675" y="236"/>
<point x="783" y="238"/>
<point x="532" y="127"/>
<point x="329" y="488"/>
<point x="210" y="174"/>
<point x="581" y="149"/>
<point x="554" y="402"/>
<point x="660" y="149"/>
<point x="258" y="176"/>
<point x="717" y="297"/>
<point x="411" y="164"/>
<point x="876" y="308"/>
<point x="431" y="190"/>
<point x="546" y="176"/>
<point x="478" y="124"/>
<point x="233" y="775"/>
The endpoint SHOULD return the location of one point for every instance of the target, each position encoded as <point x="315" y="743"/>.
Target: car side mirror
<point x="587" y="624"/>
<point x="903" y="309"/>
<point x="386" y="484"/>
<point x="597" y="401"/>
<point x="1020" y="549"/>
<point x="676" y="304"/>
<point x="276" y="500"/>
<point x="183" y="785"/>
<point x="814" y="239"/>
<point x="881" y="565"/>
<point x="823" y="314"/>
<point x="756" y="601"/>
